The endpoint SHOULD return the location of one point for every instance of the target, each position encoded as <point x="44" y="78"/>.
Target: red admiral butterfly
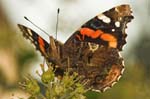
<point x="92" y="51"/>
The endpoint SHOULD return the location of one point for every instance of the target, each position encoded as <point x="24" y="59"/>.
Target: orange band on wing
<point x="112" y="41"/>
<point x="41" y="44"/>
<point x="108" y="37"/>
<point x="90" y="33"/>
<point x="113" y="44"/>
<point x="86" y="31"/>
<point x="96" y="34"/>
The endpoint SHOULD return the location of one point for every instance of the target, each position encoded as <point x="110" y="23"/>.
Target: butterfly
<point x="93" y="51"/>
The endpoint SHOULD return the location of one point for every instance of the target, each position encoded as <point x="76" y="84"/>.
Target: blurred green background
<point x="17" y="56"/>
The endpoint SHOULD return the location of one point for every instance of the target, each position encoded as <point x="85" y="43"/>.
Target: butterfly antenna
<point x="57" y="21"/>
<point x="36" y="25"/>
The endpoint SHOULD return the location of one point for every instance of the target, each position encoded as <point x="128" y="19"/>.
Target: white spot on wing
<point x="118" y="78"/>
<point x="117" y="24"/>
<point x="116" y="9"/>
<point x="120" y="18"/>
<point x="122" y="70"/>
<point x="113" y="84"/>
<point x="113" y="30"/>
<point x="29" y="31"/>
<point x="119" y="54"/>
<point x="123" y="63"/>
<point x="104" y="18"/>
<point x="106" y="89"/>
<point x="96" y="90"/>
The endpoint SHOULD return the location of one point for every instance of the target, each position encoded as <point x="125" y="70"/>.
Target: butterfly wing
<point x="93" y="50"/>
<point x="40" y="44"/>
<point x="107" y="28"/>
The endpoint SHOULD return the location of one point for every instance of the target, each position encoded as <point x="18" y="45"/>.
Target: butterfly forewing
<point x="107" y="28"/>
<point x="38" y="41"/>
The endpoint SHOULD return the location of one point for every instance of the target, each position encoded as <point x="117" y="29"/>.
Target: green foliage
<point x="66" y="87"/>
